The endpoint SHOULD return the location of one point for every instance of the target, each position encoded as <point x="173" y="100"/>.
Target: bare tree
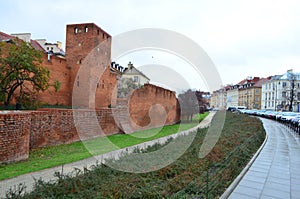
<point x="291" y="90"/>
<point x="189" y="104"/>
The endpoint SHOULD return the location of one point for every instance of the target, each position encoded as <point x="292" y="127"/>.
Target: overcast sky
<point x="243" y="38"/>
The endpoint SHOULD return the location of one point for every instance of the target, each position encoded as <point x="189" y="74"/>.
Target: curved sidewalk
<point x="275" y="173"/>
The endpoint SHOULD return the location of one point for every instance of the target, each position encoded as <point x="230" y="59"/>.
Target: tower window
<point x="86" y="29"/>
<point x="75" y="30"/>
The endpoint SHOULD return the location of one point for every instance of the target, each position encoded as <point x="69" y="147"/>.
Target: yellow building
<point x="250" y="93"/>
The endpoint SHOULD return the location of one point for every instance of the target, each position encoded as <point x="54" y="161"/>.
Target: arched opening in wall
<point x="103" y="35"/>
<point x="75" y="30"/>
<point x="86" y="29"/>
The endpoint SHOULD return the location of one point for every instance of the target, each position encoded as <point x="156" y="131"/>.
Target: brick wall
<point x="14" y="136"/>
<point x="57" y="126"/>
<point x="155" y="102"/>
<point x="58" y="71"/>
<point x="147" y="107"/>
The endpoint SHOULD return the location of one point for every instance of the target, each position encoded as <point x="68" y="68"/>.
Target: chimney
<point x="130" y="65"/>
<point x="24" y="36"/>
<point x="59" y="44"/>
<point x="49" y="56"/>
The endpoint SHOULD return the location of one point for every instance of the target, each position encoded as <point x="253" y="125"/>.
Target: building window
<point x="47" y="48"/>
<point x="86" y="29"/>
<point x="135" y="79"/>
<point x="78" y="81"/>
<point x="283" y="94"/>
<point x="283" y="84"/>
<point x="98" y="31"/>
<point x="298" y="96"/>
<point x="75" y="30"/>
<point x="103" y="35"/>
<point x="51" y="48"/>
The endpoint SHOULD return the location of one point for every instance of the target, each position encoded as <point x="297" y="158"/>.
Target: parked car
<point x="231" y="108"/>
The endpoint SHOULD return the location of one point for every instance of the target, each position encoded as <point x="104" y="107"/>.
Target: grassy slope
<point x="104" y="182"/>
<point x="57" y="155"/>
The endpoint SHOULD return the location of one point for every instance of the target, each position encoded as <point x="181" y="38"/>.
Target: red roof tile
<point x="4" y="36"/>
<point x="259" y="83"/>
<point x="36" y="45"/>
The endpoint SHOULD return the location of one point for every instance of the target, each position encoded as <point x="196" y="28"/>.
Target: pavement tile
<point x="248" y="191"/>
<point x="267" y="197"/>
<point x="255" y="179"/>
<point x="251" y="184"/>
<point x="277" y="186"/>
<point x="276" y="193"/>
<point x="259" y="169"/>
<point x="258" y="173"/>
<point x="235" y="195"/>
<point x="280" y="175"/>
<point x="295" y="181"/>
<point x="279" y="180"/>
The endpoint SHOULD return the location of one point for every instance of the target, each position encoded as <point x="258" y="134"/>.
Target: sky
<point x="242" y="38"/>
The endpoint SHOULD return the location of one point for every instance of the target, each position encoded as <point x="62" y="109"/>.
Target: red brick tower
<point x="88" y="52"/>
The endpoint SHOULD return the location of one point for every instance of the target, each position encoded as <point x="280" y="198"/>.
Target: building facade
<point x="250" y="93"/>
<point x="232" y="96"/>
<point x="136" y="75"/>
<point x="218" y="98"/>
<point x="277" y="92"/>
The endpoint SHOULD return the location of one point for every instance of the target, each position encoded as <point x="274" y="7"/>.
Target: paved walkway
<point x="276" y="171"/>
<point x="48" y="174"/>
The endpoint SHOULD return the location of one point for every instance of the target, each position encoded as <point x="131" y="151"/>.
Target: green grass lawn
<point x="57" y="155"/>
<point x="186" y="177"/>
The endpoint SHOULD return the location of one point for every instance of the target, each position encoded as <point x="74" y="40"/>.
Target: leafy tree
<point x="21" y="71"/>
<point x="189" y="104"/>
<point x="126" y="85"/>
